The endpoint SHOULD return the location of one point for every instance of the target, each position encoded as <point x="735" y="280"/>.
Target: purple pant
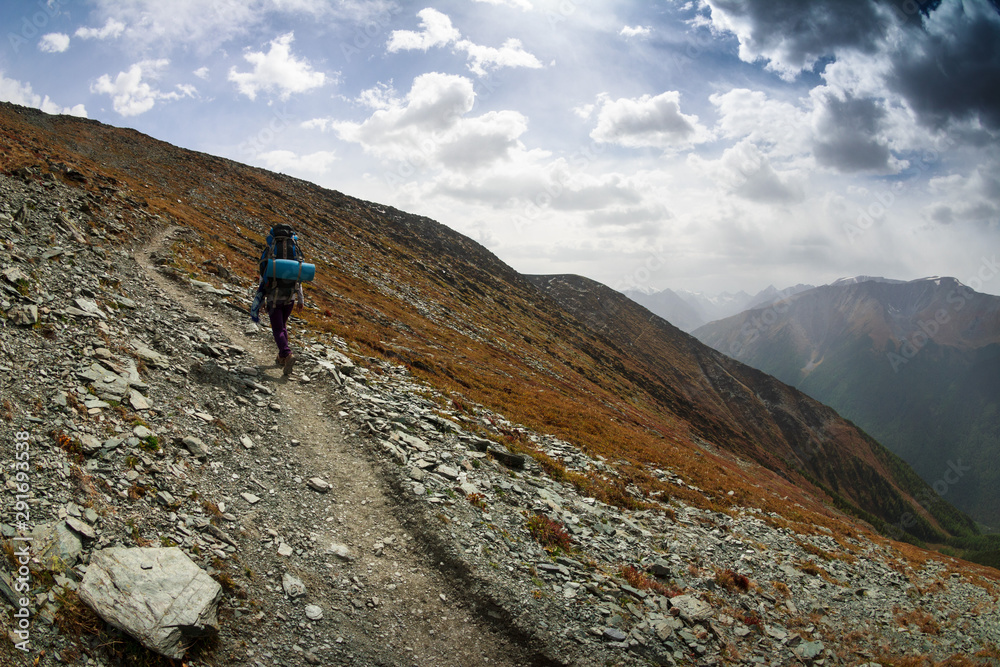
<point x="279" y="320"/>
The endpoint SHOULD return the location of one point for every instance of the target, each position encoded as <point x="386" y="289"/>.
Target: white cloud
<point x="289" y="162"/>
<point x="971" y="198"/>
<point x="510" y="54"/>
<point x="381" y="96"/>
<point x="828" y="128"/>
<point x="130" y="95"/>
<point x="110" y="30"/>
<point x="201" y="73"/>
<point x="745" y="171"/>
<point x="429" y="127"/>
<point x="277" y="70"/>
<point x="584" y="111"/>
<point x="647" y="121"/>
<point x="54" y="42"/>
<point x="641" y="31"/>
<point x="784" y="128"/>
<point x="16" y="92"/>
<point x="437" y="30"/>
<point x="517" y="4"/>
<point x="157" y="26"/>
<point x="151" y="23"/>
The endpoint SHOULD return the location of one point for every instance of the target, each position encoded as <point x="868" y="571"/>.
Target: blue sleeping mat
<point x="290" y="269"/>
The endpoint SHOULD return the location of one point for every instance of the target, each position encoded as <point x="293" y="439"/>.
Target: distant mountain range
<point x="915" y="364"/>
<point x="689" y="310"/>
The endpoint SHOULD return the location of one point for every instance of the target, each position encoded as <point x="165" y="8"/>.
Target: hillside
<point x="411" y="290"/>
<point x="464" y="470"/>
<point x="755" y="415"/>
<point x="915" y="364"/>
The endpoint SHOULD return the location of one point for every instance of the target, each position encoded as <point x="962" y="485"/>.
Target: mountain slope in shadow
<point x="916" y="364"/>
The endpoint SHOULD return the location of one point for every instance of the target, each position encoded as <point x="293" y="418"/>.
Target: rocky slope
<point x="915" y="364"/>
<point x="761" y="418"/>
<point x="355" y="513"/>
<point x="408" y="289"/>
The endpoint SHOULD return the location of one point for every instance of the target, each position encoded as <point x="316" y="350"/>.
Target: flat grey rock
<point x="57" y="546"/>
<point x="158" y="596"/>
<point x="317" y="484"/>
<point x="294" y="588"/>
<point x="691" y="608"/>
<point x="198" y="449"/>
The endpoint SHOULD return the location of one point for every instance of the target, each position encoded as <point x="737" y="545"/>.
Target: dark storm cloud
<point x="954" y="72"/>
<point x="847" y="136"/>
<point x="798" y="32"/>
<point x="946" y="65"/>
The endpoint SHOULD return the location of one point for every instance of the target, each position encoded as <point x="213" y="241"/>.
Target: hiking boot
<point x="279" y="360"/>
<point x="289" y="363"/>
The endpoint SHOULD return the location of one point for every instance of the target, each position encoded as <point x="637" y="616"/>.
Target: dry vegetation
<point x="401" y="288"/>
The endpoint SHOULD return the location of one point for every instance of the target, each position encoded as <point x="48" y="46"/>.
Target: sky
<point x="709" y="145"/>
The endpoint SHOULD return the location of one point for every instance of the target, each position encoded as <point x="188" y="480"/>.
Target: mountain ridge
<point x="690" y="310"/>
<point x="409" y="288"/>
<point x="445" y="367"/>
<point x="916" y="351"/>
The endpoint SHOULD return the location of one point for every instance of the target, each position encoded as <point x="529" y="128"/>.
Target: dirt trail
<point x="390" y="609"/>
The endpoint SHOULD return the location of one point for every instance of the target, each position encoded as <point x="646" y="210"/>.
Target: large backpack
<point x="282" y="243"/>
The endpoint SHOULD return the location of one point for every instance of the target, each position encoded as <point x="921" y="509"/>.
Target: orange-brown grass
<point x="732" y="581"/>
<point x="815" y="570"/>
<point x="641" y="581"/>
<point x="516" y="355"/>
<point x="212" y="509"/>
<point x="811" y="548"/>
<point x="75" y="618"/>
<point x="72" y="447"/>
<point x="550" y="534"/>
<point x="989" y="652"/>
<point x="890" y="658"/>
<point x="921" y="619"/>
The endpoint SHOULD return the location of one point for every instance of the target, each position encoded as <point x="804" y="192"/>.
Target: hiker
<point x="277" y="295"/>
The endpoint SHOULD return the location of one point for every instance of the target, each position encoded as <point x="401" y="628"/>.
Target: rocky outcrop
<point x="158" y="596"/>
